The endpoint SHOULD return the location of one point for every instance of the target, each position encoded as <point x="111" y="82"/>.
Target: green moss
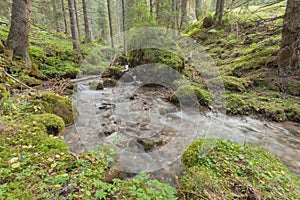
<point x="52" y="123"/>
<point x="271" y="106"/>
<point x="229" y="169"/>
<point x="56" y="104"/>
<point x="148" y="146"/>
<point x="194" y="31"/>
<point x="4" y="93"/>
<point x="233" y="83"/>
<point x="150" y="55"/>
<point x="115" y="72"/>
<point x="29" y="80"/>
<point x="34" y="164"/>
<point x="53" y="54"/>
<point x="39" y="103"/>
<point x="187" y="94"/>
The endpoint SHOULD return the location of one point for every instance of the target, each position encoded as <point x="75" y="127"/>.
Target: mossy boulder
<point x="108" y="82"/>
<point x="115" y="72"/>
<point x="151" y="55"/>
<point x="94" y="85"/>
<point x="188" y="95"/>
<point x="56" y="104"/>
<point x="53" y="124"/>
<point x="230" y="170"/>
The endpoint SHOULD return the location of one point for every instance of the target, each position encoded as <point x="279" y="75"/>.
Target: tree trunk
<point x="158" y="11"/>
<point x="56" y="16"/>
<point x="124" y="27"/>
<point x="77" y="19"/>
<point x="198" y="9"/>
<point x="110" y="24"/>
<point x="289" y="55"/>
<point x="18" y="38"/>
<point x="86" y="22"/>
<point x="64" y="16"/>
<point x="174" y="12"/>
<point x="219" y="11"/>
<point x="151" y="7"/>
<point x="183" y="13"/>
<point x="74" y="32"/>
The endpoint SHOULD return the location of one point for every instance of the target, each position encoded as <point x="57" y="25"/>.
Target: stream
<point x="151" y="133"/>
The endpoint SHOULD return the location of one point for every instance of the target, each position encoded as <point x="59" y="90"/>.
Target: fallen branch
<point x="17" y="80"/>
<point x="190" y="192"/>
<point x="84" y="79"/>
<point x="74" y="155"/>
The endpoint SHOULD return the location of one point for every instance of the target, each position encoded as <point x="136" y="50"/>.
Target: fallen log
<point x="84" y="79"/>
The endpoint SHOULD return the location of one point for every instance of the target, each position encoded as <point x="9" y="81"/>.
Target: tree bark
<point x="158" y="11"/>
<point x="86" y="22"/>
<point x="219" y="11"/>
<point x="289" y="55"/>
<point x="74" y="32"/>
<point x="183" y="13"/>
<point x="151" y="7"/>
<point x="77" y="19"/>
<point x="174" y="12"/>
<point x="124" y="27"/>
<point x="110" y="24"/>
<point x="56" y="15"/>
<point x="198" y="9"/>
<point x="64" y="16"/>
<point x="18" y="38"/>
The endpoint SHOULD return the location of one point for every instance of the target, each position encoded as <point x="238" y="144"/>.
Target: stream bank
<point x="151" y="132"/>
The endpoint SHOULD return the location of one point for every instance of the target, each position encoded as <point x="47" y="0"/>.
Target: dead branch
<point x="17" y="80"/>
<point x="84" y="79"/>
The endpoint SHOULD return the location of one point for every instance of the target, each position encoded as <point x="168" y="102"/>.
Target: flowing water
<point x="151" y="133"/>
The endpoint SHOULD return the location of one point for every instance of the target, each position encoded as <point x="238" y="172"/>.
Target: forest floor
<point x="36" y="163"/>
<point x="245" y="52"/>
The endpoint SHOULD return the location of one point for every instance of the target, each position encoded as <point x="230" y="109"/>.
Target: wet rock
<point x="100" y="86"/>
<point x="108" y="82"/>
<point x="109" y="129"/>
<point x="166" y="110"/>
<point x="132" y="124"/>
<point x="127" y="78"/>
<point x="106" y="106"/>
<point x="149" y="144"/>
<point x="94" y="85"/>
<point x="135" y="147"/>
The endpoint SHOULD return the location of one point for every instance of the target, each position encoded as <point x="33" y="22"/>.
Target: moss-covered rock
<point x="230" y="170"/>
<point x="148" y="56"/>
<point x="56" y="104"/>
<point x="108" y="82"/>
<point x="115" y="72"/>
<point x="53" y="124"/>
<point x="95" y="85"/>
<point x="188" y="95"/>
